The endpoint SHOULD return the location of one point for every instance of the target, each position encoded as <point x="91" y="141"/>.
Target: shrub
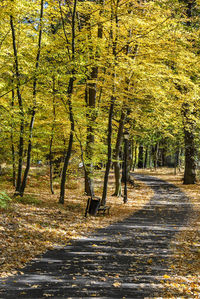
<point x="4" y="200"/>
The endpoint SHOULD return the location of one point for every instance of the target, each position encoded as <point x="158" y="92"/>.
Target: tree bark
<point x="51" y="139"/>
<point x="189" y="125"/>
<point x="91" y="118"/>
<point x="28" y="162"/>
<point x="109" y="140"/>
<point x="109" y="137"/>
<point x="71" y="116"/>
<point x="12" y="143"/>
<point x="146" y="157"/>
<point x="20" y="103"/>
<point x="190" y="152"/>
<point x="91" y="94"/>
<point x="117" y="155"/>
<point x="140" y="157"/>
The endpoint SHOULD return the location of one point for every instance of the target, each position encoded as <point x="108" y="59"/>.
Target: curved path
<point x="125" y="260"/>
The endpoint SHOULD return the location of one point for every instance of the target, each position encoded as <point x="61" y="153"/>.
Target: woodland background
<point x="76" y="77"/>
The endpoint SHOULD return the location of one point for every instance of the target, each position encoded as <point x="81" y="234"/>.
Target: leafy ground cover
<point x="32" y="224"/>
<point x="184" y="276"/>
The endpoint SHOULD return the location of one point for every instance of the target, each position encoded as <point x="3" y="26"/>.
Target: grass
<point x="4" y="200"/>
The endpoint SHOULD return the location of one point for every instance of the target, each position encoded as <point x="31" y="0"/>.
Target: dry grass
<point x="36" y="223"/>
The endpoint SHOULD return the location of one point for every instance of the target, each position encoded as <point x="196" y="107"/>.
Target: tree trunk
<point x="155" y="150"/>
<point x="140" y="157"/>
<point x="21" y="138"/>
<point x="91" y="118"/>
<point x="190" y="163"/>
<point x="91" y="94"/>
<point x="117" y="155"/>
<point x="146" y="157"/>
<point x="12" y="143"/>
<point x="189" y="125"/>
<point x="71" y="116"/>
<point x="51" y="139"/>
<point x="135" y="157"/>
<point x="109" y="139"/>
<point x="24" y="181"/>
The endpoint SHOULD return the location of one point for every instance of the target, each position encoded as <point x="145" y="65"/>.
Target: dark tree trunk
<point x="91" y="94"/>
<point x="140" y="157"/>
<point x="109" y="137"/>
<point x="109" y="140"/>
<point x="69" y="149"/>
<point x="189" y="138"/>
<point x="21" y="138"/>
<point x="71" y="116"/>
<point x="117" y="155"/>
<point x="189" y="124"/>
<point x="135" y="157"/>
<point x="126" y="176"/>
<point x="146" y="157"/>
<point x="12" y="144"/>
<point x="190" y="163"/>
<point x="24" y="181"/>
<point x="155" y="150"/>
<point x="51" y="139"/>
<point x="176" y="160"/>
<point x="132" y="153"/>
<point x="91" y="118"/>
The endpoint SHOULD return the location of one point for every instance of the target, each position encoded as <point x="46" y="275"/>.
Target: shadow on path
<point x="125" y="260"/>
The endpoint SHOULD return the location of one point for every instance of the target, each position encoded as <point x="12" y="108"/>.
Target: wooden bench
<point x="103" y="209"/>
<point x="94" y="207"/>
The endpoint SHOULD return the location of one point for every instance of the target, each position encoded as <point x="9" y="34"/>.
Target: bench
<point x="103" y="209"/>
<point x="94" y="207"/>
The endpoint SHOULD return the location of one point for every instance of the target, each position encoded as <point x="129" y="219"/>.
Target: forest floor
<point x="36" y="223"/>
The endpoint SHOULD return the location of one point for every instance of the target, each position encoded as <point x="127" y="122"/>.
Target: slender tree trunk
<point x="12" y="144"/>
<point x="189" y="138"/>
<point x="69" y="149"/>
<point x="109" y="137"/>
<point x="52" y="138"/>
<point x="132" y="153"/>
<point x="91" y="94"/>
<point x="28" y="162"/>
<point x="21" y="138"/>
<point x="146" y="157"/>
<point x="71" y="116"/>
<point x="109" y="140"/>
<point x="155" y="150"/>
<point x="91" y="118"/>
<point x="190" y="163"/>
<point x="140" y="156"/>
<point x="117" y="155"/>
<point x="189" y="124"/>
<point x="135" y="157"/>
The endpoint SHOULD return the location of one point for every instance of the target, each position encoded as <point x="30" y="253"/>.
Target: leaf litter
<point x="37" y="223"/>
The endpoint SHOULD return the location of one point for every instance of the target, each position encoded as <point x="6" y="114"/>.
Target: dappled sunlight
<point x="37" y="222"/>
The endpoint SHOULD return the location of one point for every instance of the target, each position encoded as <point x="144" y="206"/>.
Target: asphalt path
<point x="127" y="259"/>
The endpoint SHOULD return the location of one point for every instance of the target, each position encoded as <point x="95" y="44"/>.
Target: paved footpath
<point x="125" y="260"/>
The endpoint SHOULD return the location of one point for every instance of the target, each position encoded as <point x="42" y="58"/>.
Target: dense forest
<point x="86" y="84"/>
